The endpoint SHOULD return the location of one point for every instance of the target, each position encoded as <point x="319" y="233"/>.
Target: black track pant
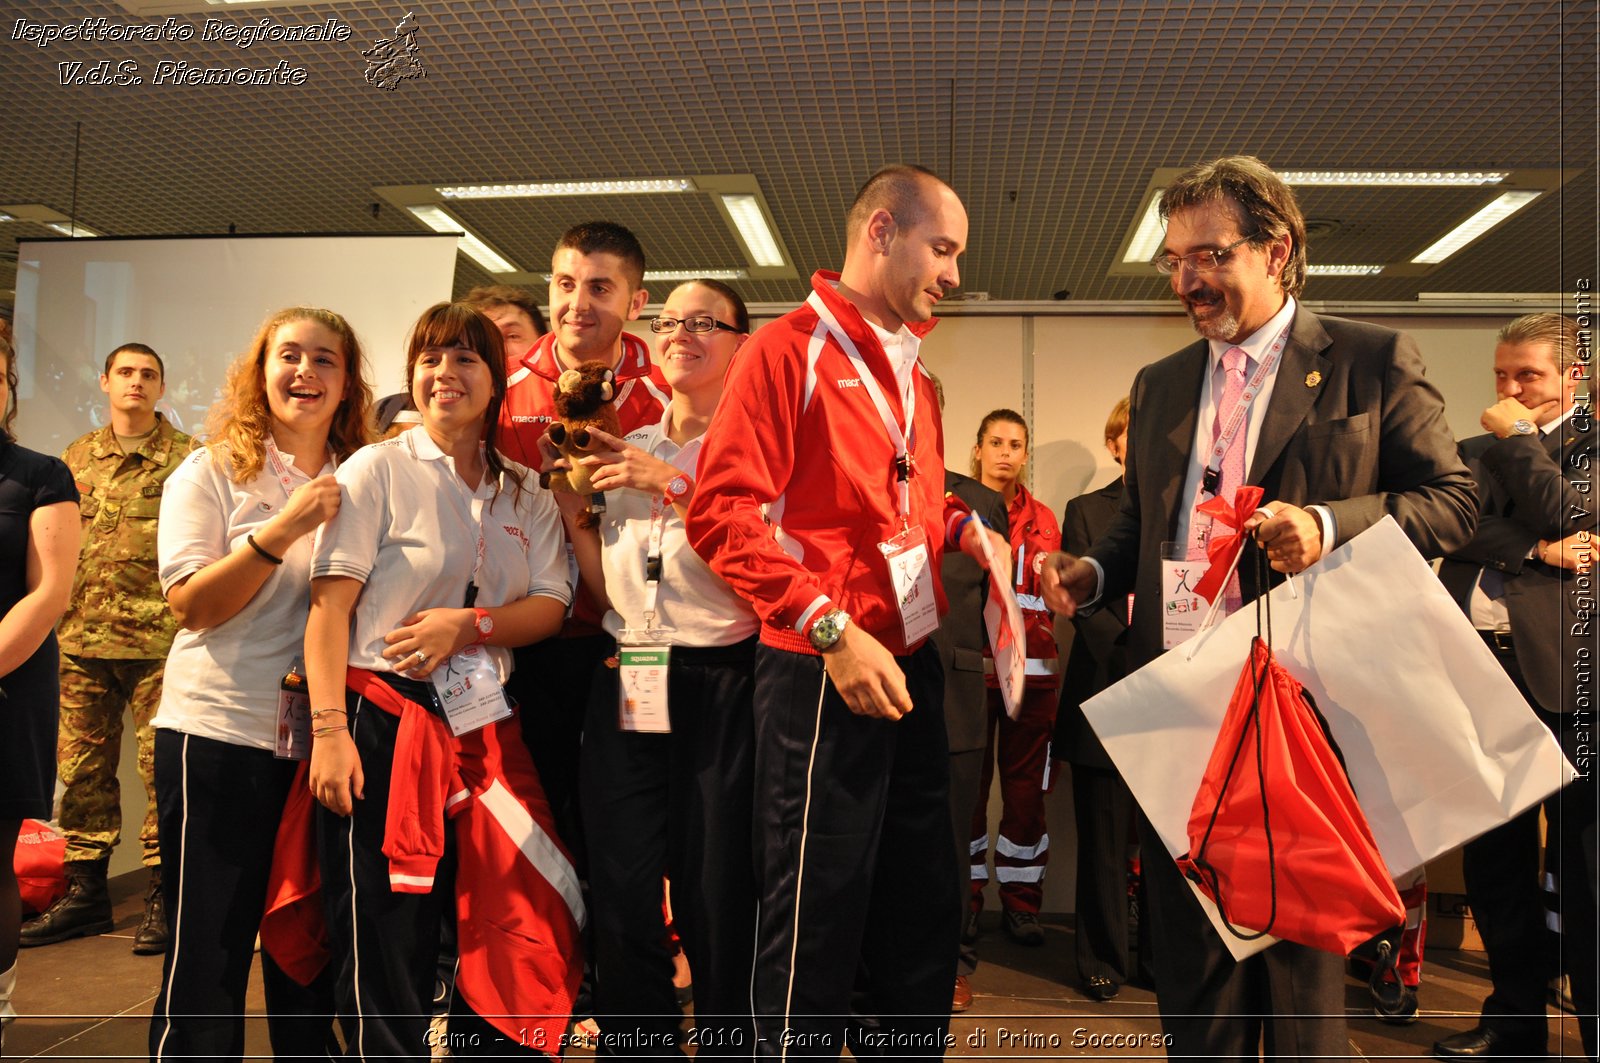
<point x="856" y="862"/>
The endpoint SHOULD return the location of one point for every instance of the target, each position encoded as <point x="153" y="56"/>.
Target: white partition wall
<point x="198" y="302"/>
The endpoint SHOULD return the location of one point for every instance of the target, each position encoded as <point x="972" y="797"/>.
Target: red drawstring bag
<point x="40" y="865"/>
<point x="1276" y="837"/>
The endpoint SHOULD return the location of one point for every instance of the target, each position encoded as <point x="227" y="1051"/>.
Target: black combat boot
<point x="85" y="910"/>
<point x="151" y="937"/>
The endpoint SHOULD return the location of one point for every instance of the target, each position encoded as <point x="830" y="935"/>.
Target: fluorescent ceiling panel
<point x="745" y="210"/>
<point x="1147" y="238"/>
<point x="534" y="189"/>
<point x="440" y="221"/>
<point x="1343" y="271"/>
<point x="1505" y="205"/>
<point x="1395" y="178"/>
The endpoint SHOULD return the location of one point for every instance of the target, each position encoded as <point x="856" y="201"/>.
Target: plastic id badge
<point x="469" y="689"/>
<point x="642" y="675"/>
<point x="1182" y="610"/>
<point x="293" y="739"/>
<point x="911" y="570"/>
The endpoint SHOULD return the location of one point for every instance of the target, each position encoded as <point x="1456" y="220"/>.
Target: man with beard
<point x="1335" y="421"/>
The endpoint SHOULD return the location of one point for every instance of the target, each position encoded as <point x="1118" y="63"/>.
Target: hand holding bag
<point x="1277" y="839"/>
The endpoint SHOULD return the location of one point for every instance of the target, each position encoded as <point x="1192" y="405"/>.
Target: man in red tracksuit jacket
<point x="832" y="425"/>
<point x="596" y="286"/>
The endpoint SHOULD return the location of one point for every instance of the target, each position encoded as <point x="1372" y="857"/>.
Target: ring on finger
<point x="422" y="659"/>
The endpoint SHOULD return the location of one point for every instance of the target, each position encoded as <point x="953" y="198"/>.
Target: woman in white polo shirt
<point x="234" y="543"/>
<point x="667" y="768"/>
<point x="441" y="546"/>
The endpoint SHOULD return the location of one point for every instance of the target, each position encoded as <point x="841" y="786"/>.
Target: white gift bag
<point x="1439" y="744"/>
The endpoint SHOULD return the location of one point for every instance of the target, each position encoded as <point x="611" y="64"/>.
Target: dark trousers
<point x="551" y="684"/>
<point x="220" y="807"/>
<point x="1502" y="872"/>
<point x="1103" y="809"/>
<point x="855" y="857"/>
<point x="385" y="944"/>
<point x="679" y="805"/>
<point x="1286" y="1002"/>
<point x="966" y="769"/>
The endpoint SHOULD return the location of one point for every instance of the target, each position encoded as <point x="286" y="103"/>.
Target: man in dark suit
<point x="1336" y="422"/>
<point x="1534" y="469"/>
<point x="961" y="638"/>
<point x="1102" y="805"/>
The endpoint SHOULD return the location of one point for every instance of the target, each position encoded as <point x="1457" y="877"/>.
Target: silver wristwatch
<point x="827" y="629"/>
<point x="1524" y="427"/>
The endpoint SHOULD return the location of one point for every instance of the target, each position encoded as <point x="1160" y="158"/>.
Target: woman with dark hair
<point x="668" y="780"/>
<point x="443" y="556"/>
<point x="39" y="541"/>
<point x="234" y="544"/>
<point x="1017" y="748"/>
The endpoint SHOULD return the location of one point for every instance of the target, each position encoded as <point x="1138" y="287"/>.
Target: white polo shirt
<point x="222" y="683"/>
<point x="693" y="603"/>
<point x="408" y="529"/>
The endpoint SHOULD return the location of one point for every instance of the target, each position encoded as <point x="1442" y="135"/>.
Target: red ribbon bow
<point x="1222" y="549"/>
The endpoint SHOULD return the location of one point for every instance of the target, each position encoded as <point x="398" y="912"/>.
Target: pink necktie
<point x="1233" y="377"/>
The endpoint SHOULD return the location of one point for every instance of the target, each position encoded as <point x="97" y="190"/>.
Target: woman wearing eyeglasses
<point x="667" y="771"/>
<point x="443" y="556"/>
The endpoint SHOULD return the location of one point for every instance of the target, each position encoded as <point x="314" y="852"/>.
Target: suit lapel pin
<point x="1313" y="378"/>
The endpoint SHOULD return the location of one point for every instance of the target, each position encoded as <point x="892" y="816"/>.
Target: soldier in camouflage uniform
<point x="114" y="641"/>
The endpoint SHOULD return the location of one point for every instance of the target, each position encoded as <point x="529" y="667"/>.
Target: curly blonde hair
<point x="237" y="426"/>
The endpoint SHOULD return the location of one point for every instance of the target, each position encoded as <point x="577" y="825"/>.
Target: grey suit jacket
<point x="961" y="636"/>
<point x="1527" y="491"/>
<point x="1098" y="656"/>
<point x="1365" y="436"/>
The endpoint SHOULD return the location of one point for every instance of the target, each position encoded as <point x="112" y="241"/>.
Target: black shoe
<point x="1487" y="1041"/>
<point x="85" y="910"/>
<point x="1100" y="988"/>
<point x="1394" y="1003"/>
<point x="151" y="937"/>
<point x="969" y="929"/>
<point x="1023" y="928"/>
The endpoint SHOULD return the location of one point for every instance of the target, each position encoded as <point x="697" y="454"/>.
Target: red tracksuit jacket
<point x="797" y="433"/>
<point x="518" y="906"/>
<point x="1034" y="533"/>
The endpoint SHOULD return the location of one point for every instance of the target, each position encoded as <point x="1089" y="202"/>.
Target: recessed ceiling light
<point x="1147" y="238"/>
<point x="532" y="189"/>
<point x="66" y="228"/>
<point x="745" y="210"/>
<point x="1505" y="205"/>
<point x="437" y="219"/>
<point x="1344" y="271"/>
<point x="1395" y="178"/>
<point x="687" y="275"/>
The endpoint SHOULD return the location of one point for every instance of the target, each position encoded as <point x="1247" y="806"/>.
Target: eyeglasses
<point x="700" y="323"/>
<point x="1199" y="261"/>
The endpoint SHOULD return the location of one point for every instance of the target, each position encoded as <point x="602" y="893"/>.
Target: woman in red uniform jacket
<point x="1020" y="746"/>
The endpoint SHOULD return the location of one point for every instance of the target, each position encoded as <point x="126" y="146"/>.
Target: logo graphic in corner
<point x="393" y="60"/>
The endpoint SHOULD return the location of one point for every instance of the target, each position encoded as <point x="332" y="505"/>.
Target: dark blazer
<point x="1098" y="656"/>
<point x="1527" y="491"/>
<point x="1364" y="436"/>
<point x="961" y="637"/>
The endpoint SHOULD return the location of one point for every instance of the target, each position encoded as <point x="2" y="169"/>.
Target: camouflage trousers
<point x="95" y="692"/>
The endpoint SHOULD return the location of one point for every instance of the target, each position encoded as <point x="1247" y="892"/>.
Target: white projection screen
<point x="198" y="302"/>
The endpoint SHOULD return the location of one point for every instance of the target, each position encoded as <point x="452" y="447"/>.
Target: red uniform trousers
<point x="1021" y="748"/>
